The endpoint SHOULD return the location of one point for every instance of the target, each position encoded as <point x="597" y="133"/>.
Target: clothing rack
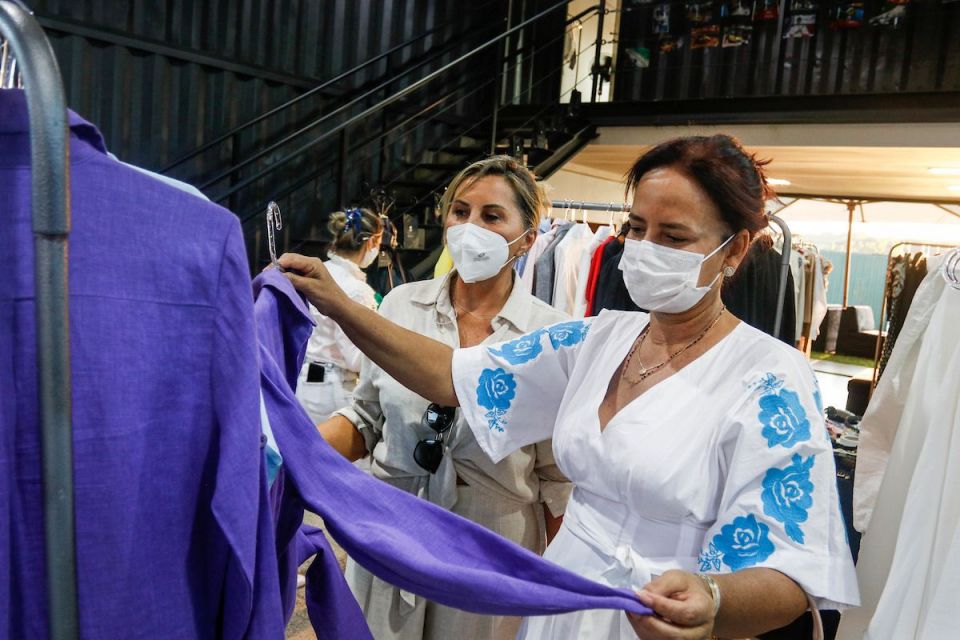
<point x="610" y="207"/>
<point x="49" y="151"/>
<point x="583" y="207"/>
<point x="883" y="304"/>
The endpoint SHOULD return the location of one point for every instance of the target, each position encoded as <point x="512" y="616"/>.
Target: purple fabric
<point x="334" y="612"/>
<point x="174" y="537"/>
<point x="404" y="540"/>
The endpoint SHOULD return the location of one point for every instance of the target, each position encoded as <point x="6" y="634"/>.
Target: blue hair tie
<point x="353" y="221"/>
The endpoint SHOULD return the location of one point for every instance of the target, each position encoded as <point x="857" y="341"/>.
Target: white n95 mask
<point x="478" y="254"/>
<point x="662" y="279"/>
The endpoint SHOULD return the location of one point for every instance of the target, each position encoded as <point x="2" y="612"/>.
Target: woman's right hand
<point x="311" y="278"/>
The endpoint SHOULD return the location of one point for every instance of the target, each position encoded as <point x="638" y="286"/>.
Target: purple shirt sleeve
<point x="394" y="534"/>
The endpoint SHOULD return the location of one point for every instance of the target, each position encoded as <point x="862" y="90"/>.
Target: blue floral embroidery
<point x="496" y="391"/>
<point x="769" y="383"/>
<point x="788" y="495"/>
<point x="817" y="398"/>
<point x="743" y="543"/>
<point x="783" y="418"/>
<point x="710" y="559"/>
<point x="522" y="349"/>
<point x="567" y="334"/>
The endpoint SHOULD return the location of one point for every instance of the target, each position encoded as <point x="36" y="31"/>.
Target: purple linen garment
<point x="398" y="537"/>
<point x="174" y="534"/>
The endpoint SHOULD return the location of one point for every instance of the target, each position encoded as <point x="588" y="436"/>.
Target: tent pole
<point x="851" y="206"/>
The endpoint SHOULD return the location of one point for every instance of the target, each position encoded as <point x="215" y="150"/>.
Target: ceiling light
<point x="778" y="182"/>
<point x="954" y="187"/>
<point x="945" y="171"/>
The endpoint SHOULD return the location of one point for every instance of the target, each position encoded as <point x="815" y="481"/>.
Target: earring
<point x="728" y="271"/>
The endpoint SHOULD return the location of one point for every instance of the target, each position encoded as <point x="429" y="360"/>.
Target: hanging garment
<point x="596" y="262"/>
<point x="908" y="469"/>
<point x="798" y="272"/>
<point x="611" y="290"/>
<point x="507" y="497"/>
<point x="545" y="266"/>
<point x="907" y="273"/>
<point x="747" y="479"/>
<point x="332" y="364"/>
<point x="583" y="272"/>
<point x="529" y="265"/>
<point x="818" y="298"/>
<point x="752" y="293"/>
<point x="444" y="264"/>
<point x="567" y="257"/>
<point x="173" y="533"/>
<point x="399" y="537"/>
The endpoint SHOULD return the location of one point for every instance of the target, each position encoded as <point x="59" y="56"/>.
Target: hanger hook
<point x="274" y="222"/>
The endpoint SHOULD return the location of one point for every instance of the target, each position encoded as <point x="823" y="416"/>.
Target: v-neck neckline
<point x="622" y="354"/>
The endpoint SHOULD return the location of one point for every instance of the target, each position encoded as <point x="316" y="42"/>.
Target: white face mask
<point x="370" y="256"/>
<point x="662" y="279"/>
<point x="478" y="254"/>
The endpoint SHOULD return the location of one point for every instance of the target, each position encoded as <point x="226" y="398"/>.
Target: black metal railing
<point x="327" y="84"/>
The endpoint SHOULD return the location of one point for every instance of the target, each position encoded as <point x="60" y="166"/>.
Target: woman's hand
<point x="683" y="606"/>
<point x="311" y="278"/>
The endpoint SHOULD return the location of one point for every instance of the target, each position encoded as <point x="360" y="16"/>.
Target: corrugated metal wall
<point x="153" y="108"/>
<point x="162" y="77"/>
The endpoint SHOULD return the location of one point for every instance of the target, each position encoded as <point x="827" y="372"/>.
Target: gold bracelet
<point x="714" y="591"/>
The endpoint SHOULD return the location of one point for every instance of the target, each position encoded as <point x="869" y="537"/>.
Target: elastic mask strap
<point x="722" y="245"/>
<point x="706" y="257"/>
<point x="521" y="236"/>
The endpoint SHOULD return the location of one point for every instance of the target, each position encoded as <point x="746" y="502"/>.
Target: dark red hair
<point x="732" y="178"/>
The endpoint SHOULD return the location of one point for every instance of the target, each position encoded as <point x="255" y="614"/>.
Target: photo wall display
<point x="707" y="24"/>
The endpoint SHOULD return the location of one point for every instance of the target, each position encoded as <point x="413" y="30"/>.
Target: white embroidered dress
<point x="722" y="466"/>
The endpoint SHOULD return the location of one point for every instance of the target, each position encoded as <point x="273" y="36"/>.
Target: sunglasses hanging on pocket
<point x="429" y="452"/>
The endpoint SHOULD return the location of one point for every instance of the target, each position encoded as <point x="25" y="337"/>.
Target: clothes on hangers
<point x="567" y="259"/>
<point x="393" y="534"/>
<point x="545" y="266"/>
<point x="905" y="275"/>
<point x="595" y="264"/>
<point x="581" y="302"/>
<point x="908" y="468"/>
<point x="173" y="529"/>
<point x="611" y="291"/>
<point x="527" y="275"/>
<point x="752" y="293"/>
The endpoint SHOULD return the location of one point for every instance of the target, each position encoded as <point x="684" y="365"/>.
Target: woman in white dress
<point x="332" y="362"/>
<point x="491" y="212"/>
<point x="704" y="478"/>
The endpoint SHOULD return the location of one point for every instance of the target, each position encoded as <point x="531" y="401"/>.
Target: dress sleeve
<point x="778" y="502"/>
<point x="509" y="393"/>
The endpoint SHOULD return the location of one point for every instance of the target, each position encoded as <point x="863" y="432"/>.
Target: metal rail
<point x="49" y="154"/>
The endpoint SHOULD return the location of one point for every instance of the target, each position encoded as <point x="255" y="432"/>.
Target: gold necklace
<point x="645" y="372"/>
<point x="475" y="315"/>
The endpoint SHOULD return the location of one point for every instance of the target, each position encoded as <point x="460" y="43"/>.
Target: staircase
<point x="403" y="135"/>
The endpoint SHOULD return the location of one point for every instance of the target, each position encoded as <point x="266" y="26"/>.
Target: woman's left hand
<point x="683" y="606"/>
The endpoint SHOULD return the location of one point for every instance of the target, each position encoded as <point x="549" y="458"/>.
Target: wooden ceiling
<point x="886" y="163"/>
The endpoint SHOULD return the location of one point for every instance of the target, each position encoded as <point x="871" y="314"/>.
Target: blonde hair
<point x="528" y="193"/>
<point x="351" y="228"/>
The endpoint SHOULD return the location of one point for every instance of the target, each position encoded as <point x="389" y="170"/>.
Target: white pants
<point x="321" y="399"/>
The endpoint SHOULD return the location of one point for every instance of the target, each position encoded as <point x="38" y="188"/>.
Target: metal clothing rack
<point x="50" y="179"/>
<point x="883" y="303"/>
<point x="610" y="207"/>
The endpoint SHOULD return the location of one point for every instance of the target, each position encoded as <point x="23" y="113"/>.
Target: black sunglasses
<point x="429" y="452"/>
